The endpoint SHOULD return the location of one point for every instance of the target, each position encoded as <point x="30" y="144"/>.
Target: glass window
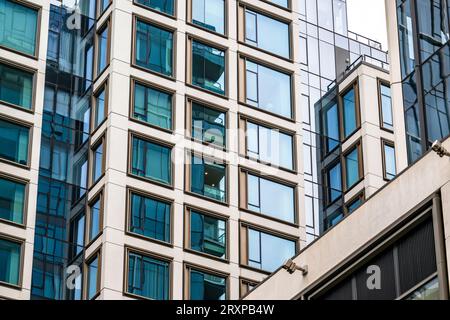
<point x="10" y="261"/>
<point x="99" y="107"/>
<point x="164" y="6"/>
<point x="325" y="14"/>
<point x="268" y="89"/>
<point x="334" y="179"/>
<point x="151" y="160"/>
<point x="387" y="121"/>
<point x="349" y="112"/>
<point x="102" y="47"/>
<point x="209" y="14"/>
<point x="270" y="145"/>
<point x="148" y="277"/>
<point x="208" y="178"/>
<point x="260" y="197"/>
<point x="390" y="169"/>
<point x="95" y="218"/>
<point x="152" y="106"/>
<point x="267" y="33"/>
<point x="98" y="164"/>
<point x="352" y="168"/>
<point x="18" y="27"/>
<point x="103" y="4"/>
<point x="205" y="286"/>
<point x="406" y="39"/>
<point x="80" y="177"/>
<point x="281" y="3"/>
<point x="154" y="48"/>
<point x="333" y="219"/>
<point x="149" y="217"/>
<point x="429" y="291"/>
<point x="355" y="204"/>
<point x="208" y="67"/>
<point x="14" y="141"/>
<point x="16" y="86"/>
<point x="93" y="273"/>
<point x="208" y="234"/>
<point x="261" y="253"/>
<point x="12" y="200"/>
<point x="208" y="125"/>
<point x="77" y="234"/>
<point x="331" y="127"/>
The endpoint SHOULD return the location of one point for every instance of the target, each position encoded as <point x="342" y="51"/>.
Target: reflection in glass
<point x="208" y="234"/>
<point x="208" y="178"/>
<point x="209" y="14"/>
<point x="205" y="286"/>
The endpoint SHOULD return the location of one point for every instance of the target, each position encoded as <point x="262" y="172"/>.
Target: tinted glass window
<point x="209" y="14"/>
<point x="208" y="125"/>
<point x="12" y="200"/>
<point x="204" y="286"/>
<point x="208" y="234"/>
<point x="16" y="86"/>
<point x="14" y="141"/>
<point x="10" y="262"/>
<point x="208" y="178"/>
<point x="165" y="6"/>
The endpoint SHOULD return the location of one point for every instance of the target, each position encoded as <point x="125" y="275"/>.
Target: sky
<point x="368" y="18"/>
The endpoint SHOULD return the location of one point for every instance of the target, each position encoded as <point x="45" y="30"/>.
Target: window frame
<point x="21" y="242"/>
<point x="26" y="183"/>
<point x="355" y="86"/>
<point x="243" y="242"/>
<point x="243" y="141"/>
<point x="361" y="196"/>
<point x="190" y="38"/>
<point x="190" y="100"/>
<point x="189" y="20"/>
<point x="380" y="83"/>
<point x="288" y="8"/>
<point x="104" y="86"/>
<point x="30" y="127"/>
<point x="132" y="190"/>
<point x="99" y="196"/>
<point x="106" y="24"/>
<point x="175" y="11"/>
<point x="91" y="160"/>
<point x="389" y="143"/>
<point x="87" y="261"/>
<point x="99" y="14"/>
<point x="187" y="231"/>
<point x="159" y="25"/>
<point x="243" y="194"/>
<point x="358" y="146"/>
<point x="242" y="85"/>
<point x="242" y="24"/>
<point x="188" y="266"/>
<point x="135" y="134"/>
<point x="24" y="68"/>
<point x="187" y="176"/>
<point x="39" y="9"/>
<point x="243" y="286"/>
<point x="152" y="255"/>
<point x="151" y="85"/>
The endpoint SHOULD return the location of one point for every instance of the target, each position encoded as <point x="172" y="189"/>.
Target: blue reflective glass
<point x="99" y="109"/>
<point x="10" y="262"/>
<point x="93" y="271"/>
<point x="94" y="219"/>
<point x="97" y="163"/>
<point x="102" y="54"/>
<point x="18" y="27"/>
<point x="150" y="217"/>
<point x="148" y="277"/>
<point x="209" y="14"/>
<point x="331" y="127"/>
<point x="208" y="179"/>
<point x="165" y="6"/>
<point x="151" y="160"/>
<point x="352" y="168"/>
<point x="205" y="286"/>
<point x="208" y="125"/>
<point x="349" y="110"/>
<point x="208" y="234"/>
<point x="14" y="141"/>
<point x="154" y="48"/>
<point x="12" y="200"/>
<point x="16" y="86"/>
<point x="334" y="183"/>
<point x="208" y="67"/>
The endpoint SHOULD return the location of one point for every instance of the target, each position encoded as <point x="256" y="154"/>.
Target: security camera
<point x="439" y="149"/>
<point x="291" y="267"/>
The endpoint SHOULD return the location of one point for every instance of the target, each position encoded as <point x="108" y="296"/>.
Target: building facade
<point x="142" y="142"/>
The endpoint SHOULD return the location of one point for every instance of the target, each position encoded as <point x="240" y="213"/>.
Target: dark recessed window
<point x="14" y="140"/>
<point x="149" y="217"/>
<point x="208" y="234"/>
<point x="208" y="178"/>
<point x="154" y="48"/>
<point x="18" y="27"/>
<point x="12" y="200"/>
<point x="208" y="125"/>
<point x="150" y="160"/>
<point x="209" y="14"/>
<point x="148" y="277"/>
<point x="152" y="106"/>
<point x="208" y="67"/>
<point x="164" y="6"/>
<point x="16" y="86"/>
<point x="10" y="256"/>
<point x="206" y="286"/>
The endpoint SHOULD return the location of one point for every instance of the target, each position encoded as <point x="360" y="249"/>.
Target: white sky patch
<point x="368" y="18"/>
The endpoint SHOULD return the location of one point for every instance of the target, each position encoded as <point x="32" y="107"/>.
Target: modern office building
<point x="418" y="35"/>
<point x="156" y="149"/>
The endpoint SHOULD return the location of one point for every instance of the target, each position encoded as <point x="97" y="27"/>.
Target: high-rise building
<point x="161" y="149"/>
